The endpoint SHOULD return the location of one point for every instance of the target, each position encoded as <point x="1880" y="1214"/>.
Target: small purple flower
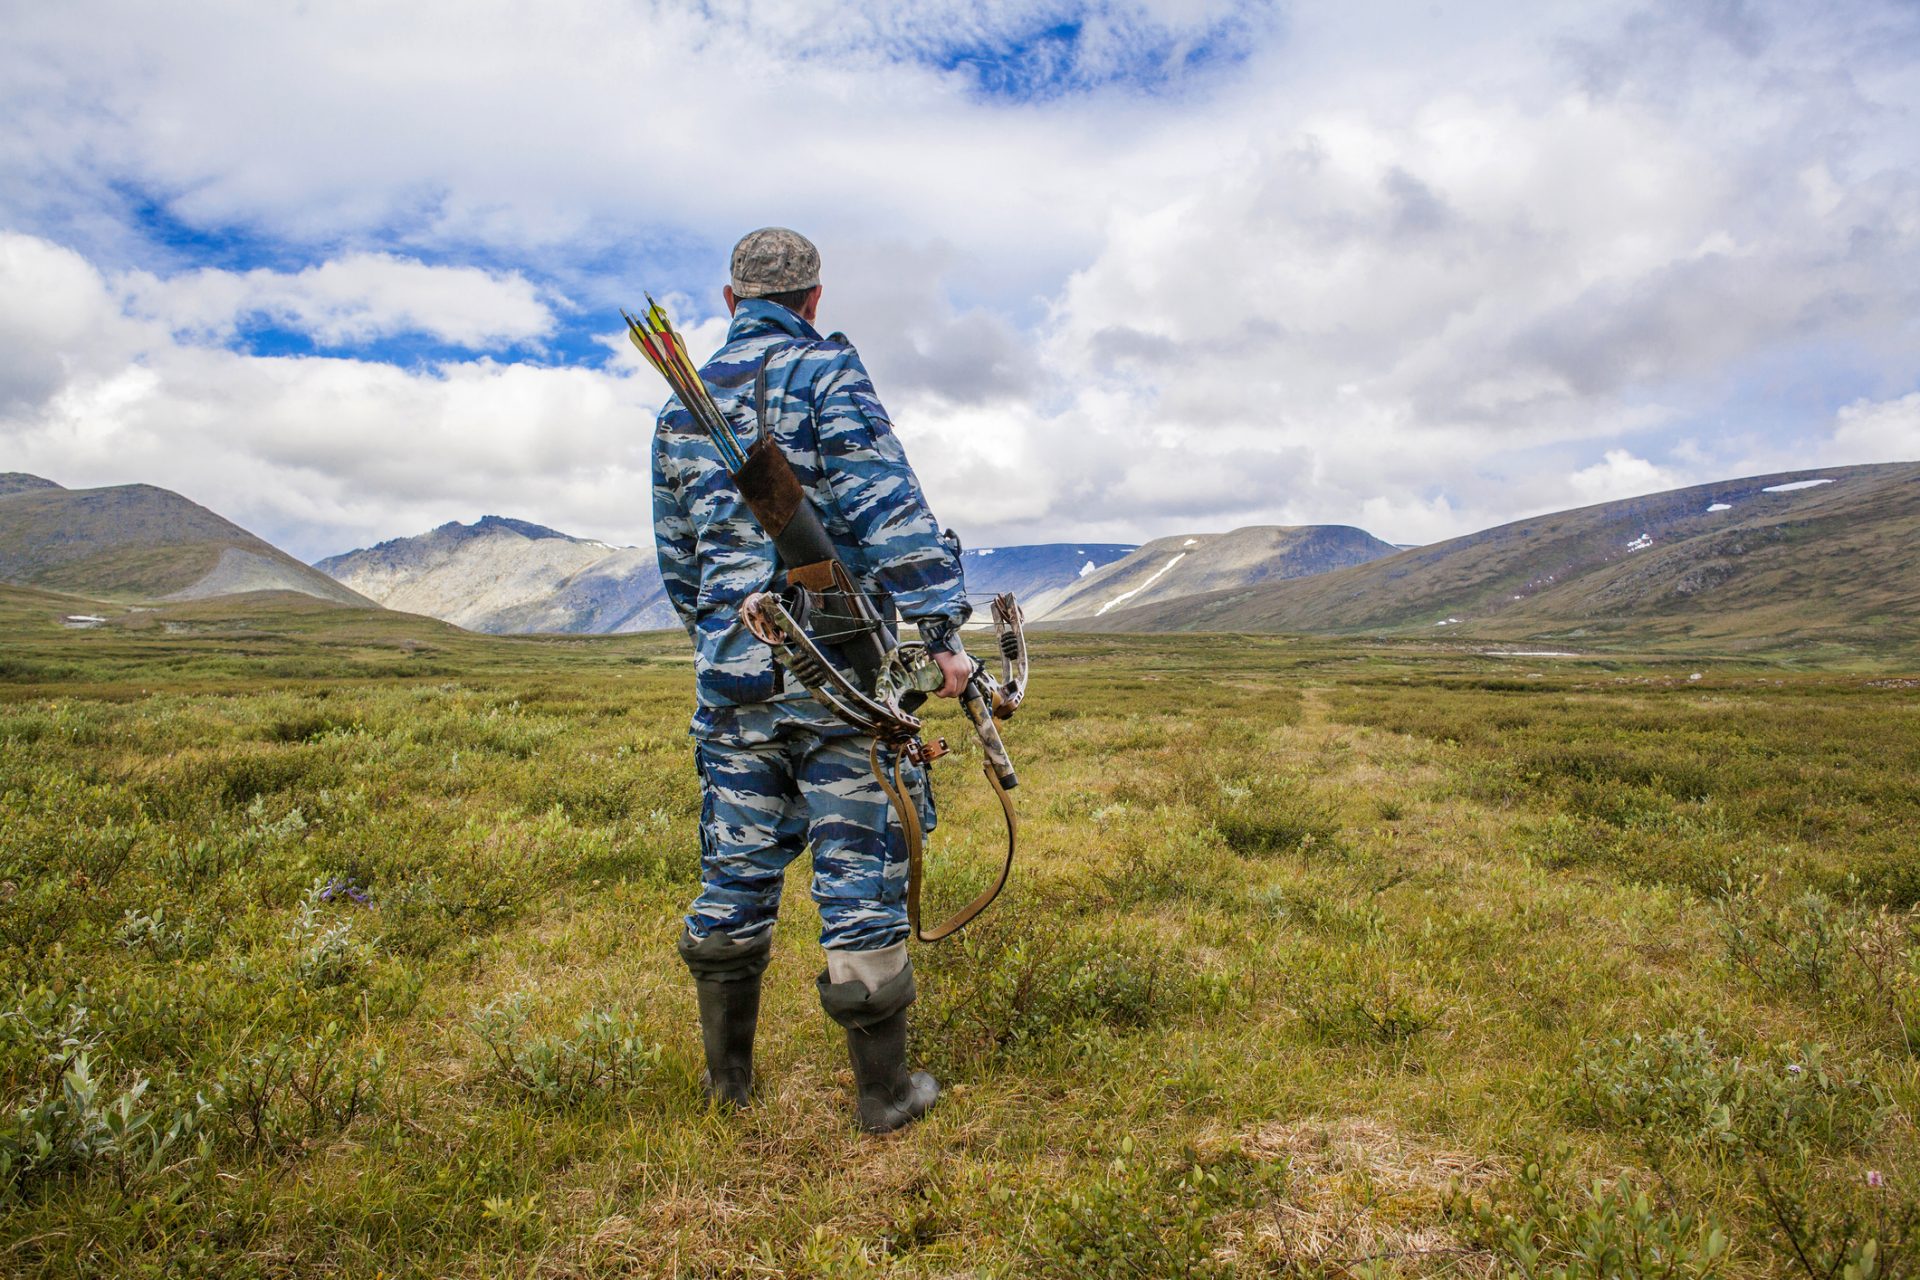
<point x="341" y="887"/>
<point x="1874" y="1178"/>
<point x="1794" y="1068"/>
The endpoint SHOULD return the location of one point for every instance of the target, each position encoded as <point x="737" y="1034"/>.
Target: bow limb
<point x="1010" y="633"/>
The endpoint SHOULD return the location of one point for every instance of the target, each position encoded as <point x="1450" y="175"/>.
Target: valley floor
<point x="348" y="951"/>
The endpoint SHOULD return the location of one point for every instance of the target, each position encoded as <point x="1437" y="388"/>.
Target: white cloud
<point x="320" y="453"/>
<point x="356" y="298"/>
<point x="1884" y="431"/>
<point x="1621" y="475"/>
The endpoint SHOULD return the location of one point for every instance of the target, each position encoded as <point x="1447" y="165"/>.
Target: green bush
<point x="1014" y="982"/>
<point x="327" y="951"/>
<point x="1273" y="815"/>
<point x="1859" y="960"/>
<point x="1541" y="1227"/>
<point x="85" y="1124"/>
<point x="296" y="1089"/>
<point x="1680" y="1088"/>
<point x="605" y="1055"/>
<point x="1137" y="1217"/>
<point x="152" y="934"/>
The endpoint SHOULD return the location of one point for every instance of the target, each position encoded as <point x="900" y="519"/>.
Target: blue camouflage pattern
<point x="822" y="411"/>
<point x="786" y="785"/>
<point x="778" y="771"/>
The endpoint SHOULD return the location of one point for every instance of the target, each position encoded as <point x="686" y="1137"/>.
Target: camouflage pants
<point x="763" y="801"/>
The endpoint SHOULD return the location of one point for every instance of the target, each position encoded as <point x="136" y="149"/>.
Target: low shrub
<point x="326" y="949"/>
<point x="1680" y="1088"/>
<point x="1544" y="1227"/>
<point x="87" y="1124"/>
<point x="1273" y="815"/>
<point x="1820" y="949"/>
<point x="1379" y="1008"/>
<point x="1139" y="1217"/>
<point x="152" y="934"/>
<point x="1014" y="982"/>
<point x="297" y="1089"/>
<point x="605" y="1055"/>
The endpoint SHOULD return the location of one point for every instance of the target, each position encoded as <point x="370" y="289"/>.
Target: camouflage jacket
<point x="822" y="411"/>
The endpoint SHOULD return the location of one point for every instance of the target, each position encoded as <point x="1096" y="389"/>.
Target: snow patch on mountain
<point x="1792" y="485"/>
<point x="1125" y="596"/>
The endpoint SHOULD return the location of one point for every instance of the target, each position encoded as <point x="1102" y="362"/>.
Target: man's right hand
<point x="957" y="667"/>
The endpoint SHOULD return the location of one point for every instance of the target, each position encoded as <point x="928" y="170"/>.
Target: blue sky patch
<point x="1078" y="48"/>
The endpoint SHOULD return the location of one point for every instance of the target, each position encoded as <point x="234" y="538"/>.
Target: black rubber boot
<point x="890" y="1096"/>
<point x="876" y="1021"/>
<point x="726" y="977"/>
<point x="728" y="1014"/>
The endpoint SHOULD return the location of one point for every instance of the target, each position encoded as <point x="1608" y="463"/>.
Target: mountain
<point x="509" y="576"/>
<point x="1185" y="565"/>
<point x="1800" y="557"/>
<point x="21" y="482"/>
<point x="1038" y="574"/>
<point x="138" y="542"/>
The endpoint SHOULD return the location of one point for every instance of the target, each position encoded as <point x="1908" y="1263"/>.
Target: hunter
<point x="778" y="772"/>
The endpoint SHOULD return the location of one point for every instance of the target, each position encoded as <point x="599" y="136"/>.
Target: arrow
<point x="661" y="344"/>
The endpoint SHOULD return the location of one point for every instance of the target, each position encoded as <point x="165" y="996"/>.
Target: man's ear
<point x="811" y="307"/>
<point x="726" y="291"/>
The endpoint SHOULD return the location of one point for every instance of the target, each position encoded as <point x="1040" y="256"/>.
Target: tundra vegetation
<point x="340" y="943"/>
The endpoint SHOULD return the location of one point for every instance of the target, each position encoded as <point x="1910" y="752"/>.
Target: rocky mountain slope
<point x="139" y="542"/>
<point x="1796" y="557"/>
<point x="503" y="576"/>
<point x="1169" y="569"/>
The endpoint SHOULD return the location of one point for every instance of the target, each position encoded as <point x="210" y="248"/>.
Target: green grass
<point x="340" y="942"/>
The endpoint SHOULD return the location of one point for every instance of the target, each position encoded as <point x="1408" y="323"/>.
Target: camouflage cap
<point x="774" y="260"/>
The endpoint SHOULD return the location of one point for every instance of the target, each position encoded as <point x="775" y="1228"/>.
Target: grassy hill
<point x="139" y="542"/>
<point x="1805" y="559"/>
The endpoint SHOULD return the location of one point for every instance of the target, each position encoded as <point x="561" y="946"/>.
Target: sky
<point x="346" y="272"/>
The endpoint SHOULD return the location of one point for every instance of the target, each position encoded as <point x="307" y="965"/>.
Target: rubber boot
<point x="726" y="978"/>
<point x="728" y="1013"/>
<point x="875" y="1018"/>
<point x="890" y="1096"/>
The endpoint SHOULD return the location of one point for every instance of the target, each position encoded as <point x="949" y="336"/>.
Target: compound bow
<point x="886" y="714"/>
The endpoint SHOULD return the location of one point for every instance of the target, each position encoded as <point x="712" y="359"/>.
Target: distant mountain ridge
<point x="1806" y="555"/>
<point x="1795" y="559"/>
<point x="139" y="542"/>
<point x="1185" y="565"/>
<point x="502" y="575"/>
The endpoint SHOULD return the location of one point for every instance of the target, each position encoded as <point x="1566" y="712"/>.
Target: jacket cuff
<point x="941" y="635"/>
